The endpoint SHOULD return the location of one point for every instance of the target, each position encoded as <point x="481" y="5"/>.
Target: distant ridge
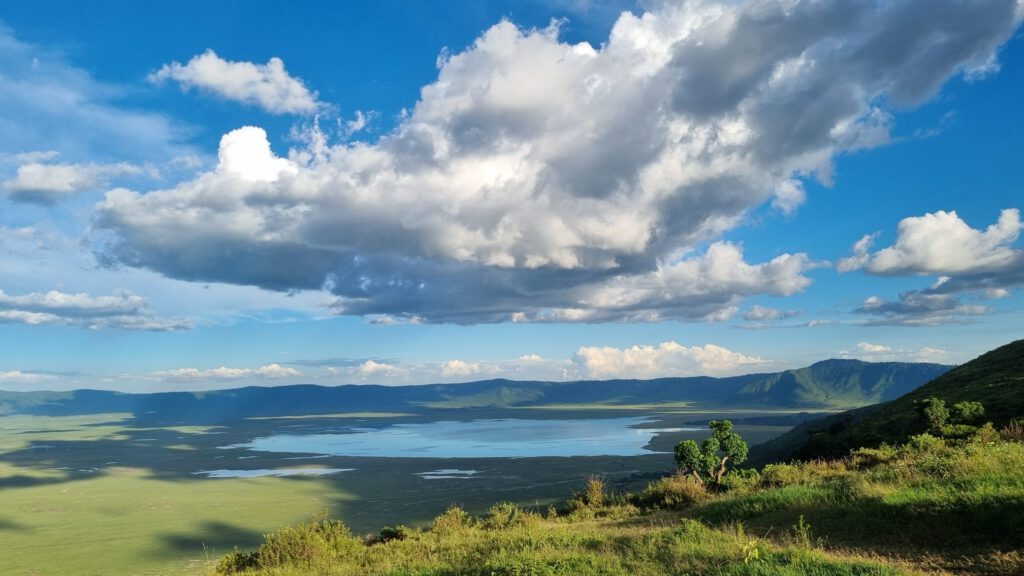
<point x="996" y="379"/>
<point x="830" y="384"/>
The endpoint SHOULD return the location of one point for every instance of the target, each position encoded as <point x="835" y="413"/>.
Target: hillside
<point x="996" y="379"/>
<point x="831" y="384"/>
<point x="954" y="508"/>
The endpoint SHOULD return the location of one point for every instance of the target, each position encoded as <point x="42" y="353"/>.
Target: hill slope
<point x="996" y="379"/>
<point x="829" y="384"/>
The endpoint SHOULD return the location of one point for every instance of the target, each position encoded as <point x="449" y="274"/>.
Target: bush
<point x="595" y="494"/>
<point x="307" y="545"/>
<point x="863" y="458"/>
<point x="677" y="491"/>
<point x="985" y="434"/>
<point x="741" y="480"/>
<point x="925" y="443"/>
<point x="388" y="533"/>
<point x="453" y="520"/>
<point x="238" y="561"/>
<point x="505" y="515"/>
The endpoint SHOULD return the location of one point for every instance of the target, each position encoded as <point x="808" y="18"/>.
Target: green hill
<point x="996" y="379"/>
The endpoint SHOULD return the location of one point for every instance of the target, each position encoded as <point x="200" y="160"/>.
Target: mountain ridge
<point x="996" y="379"/>
<point x="828" y="384"/>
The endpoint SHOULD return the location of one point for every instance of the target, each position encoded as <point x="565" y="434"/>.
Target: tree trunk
<point x="721" y="471"/>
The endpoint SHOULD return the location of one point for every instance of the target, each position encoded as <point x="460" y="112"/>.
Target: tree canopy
<point x="710" y="461"/>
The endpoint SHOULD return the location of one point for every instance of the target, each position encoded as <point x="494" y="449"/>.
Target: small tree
<point x="934" y="414"/>
<point x="710" y="461"/>
<point x="968" y="412"/>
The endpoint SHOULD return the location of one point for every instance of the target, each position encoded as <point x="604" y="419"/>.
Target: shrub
<point x="742" y="480"/>
<point x="307" y="545"/>
<point x="968" y="412"/>
<point x="779" y="475"/>
<point x="452" y="520"/>
<point x="505" y="515"/>
<point x="389" y="533"/>
<point x="985" y="434"/>
<point x="595" y="494"/>
<point x="925" y="443"/>
<point x="863" y="458"/>
<point x="238" y="561"/>
<point x="933" y="413"/>
<point x="677" y="491"/>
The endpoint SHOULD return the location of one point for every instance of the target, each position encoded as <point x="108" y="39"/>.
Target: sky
<point x="202" y="195"/>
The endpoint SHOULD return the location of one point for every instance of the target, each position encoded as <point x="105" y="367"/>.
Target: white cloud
<point x="19" y="377"/>
<point x="983" y="264"/>
<point x="373" y="368"/>
<point x="124" y="310"/>
<point x="870" y="352"/>
<point x="543" y="181"/>
<point x="269" y="372"/>
<point x="666" y="359"/>
<point x="276" y="371"/>
<point x="49" y="183"/>
<point x="459" y="368"/>
<point x="942" y="243"/>
<point x="268" y="86"/>
<point x="869" y="348"/>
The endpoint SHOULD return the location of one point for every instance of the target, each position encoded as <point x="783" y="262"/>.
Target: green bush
<point x="307" y="545"/>
<point x="392" y="533"/>
<point x="863" y="458"/>
<point x="505" y="515"/>
<point x="676" y="491"/>
<point x="452" y="520"/>
<point x="238" y="561"/>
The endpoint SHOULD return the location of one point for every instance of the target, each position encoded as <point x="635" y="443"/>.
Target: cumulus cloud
<point x="459" y="368"/>
<point x="49" y="183"/>
<point x="869" y="348"/>
<point x="376" y="369"/>
<point x="537" y="180"/>
<point x="666" y="359"/>
<point x="268" y="86"/>
<point x="124" y="310"/>
<point x="872" y="352"/>
<point x="269" y="372"/>
<point x="942" y="243"/>
<point x="981" y="264"/>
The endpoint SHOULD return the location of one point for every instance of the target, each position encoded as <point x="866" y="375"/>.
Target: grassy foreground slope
<point x="996" y="379"/>
<point x="924" y="508"/>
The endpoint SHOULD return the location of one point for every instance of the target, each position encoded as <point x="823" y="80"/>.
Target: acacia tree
<point x="711" y="460"/>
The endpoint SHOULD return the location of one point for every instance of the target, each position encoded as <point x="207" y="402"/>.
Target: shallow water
<point x="505" y="438"/>
<point x="268" y="472"/>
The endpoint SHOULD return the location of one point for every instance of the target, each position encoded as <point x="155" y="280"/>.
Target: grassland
<point x="925" y="508"/>
<point x="112" y="494"/>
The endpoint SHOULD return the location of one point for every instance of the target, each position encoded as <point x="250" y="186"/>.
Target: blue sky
<point x="202" y="195"/>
